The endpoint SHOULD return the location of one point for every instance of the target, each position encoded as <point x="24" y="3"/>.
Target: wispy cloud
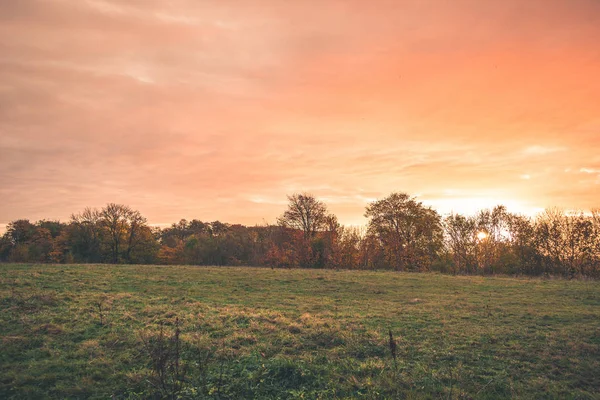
<point x="107" y="7"/>
<point x="543" y="150"/>
<point x="217" y="110"/>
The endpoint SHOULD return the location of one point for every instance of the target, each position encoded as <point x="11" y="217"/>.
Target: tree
<point x="345" y="248"/>
<point x="145" y="247"/>
<point x="138" y="231"/>
<point x="114" y="220"/>
<point x="493" y="245"/>
<point x="305" y="213"/>
<point x="566" y="242"/>
<point x="124" y="227"/>
<point x="461" y="242"/>
<point x="310" y="218"/>
<point x="480" y="243"/>
<point x="85" y="236"/>
<point x="175" y="234"/>
<point x="20" y="231"/>
<point x="523" y="245"/>
<point x="16" y="240"/>
<point x="55" y="228"/>
<point x="410" y="233"/>
<point x="5" y="247"/>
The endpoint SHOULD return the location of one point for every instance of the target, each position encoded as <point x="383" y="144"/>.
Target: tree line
<point x="402" y="234"/>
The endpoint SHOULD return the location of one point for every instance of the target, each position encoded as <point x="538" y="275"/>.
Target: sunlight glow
<point x="482" y="235"/>
<point x="187" y="89"/>
<point x="471" y="205"/>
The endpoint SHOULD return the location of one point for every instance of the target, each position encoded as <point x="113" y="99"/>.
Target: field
<point x="96" y="331"/>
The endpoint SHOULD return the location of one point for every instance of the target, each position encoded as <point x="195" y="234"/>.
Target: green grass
<point x="262" y="333"/>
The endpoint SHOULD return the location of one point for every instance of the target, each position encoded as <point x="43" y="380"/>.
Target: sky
<point x="217" y="110"/>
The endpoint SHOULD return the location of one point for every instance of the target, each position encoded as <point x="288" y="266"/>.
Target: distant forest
<point x="402" y="234"/>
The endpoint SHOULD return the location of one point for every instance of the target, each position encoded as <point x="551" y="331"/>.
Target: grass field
<point x="94" y="331"/>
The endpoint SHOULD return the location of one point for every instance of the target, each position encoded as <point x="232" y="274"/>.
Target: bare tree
<point x="123" y="225"/>
<point x="305" y="213"/>
<point x="566" y="242"/>
<point x="86" y="235"/>
<point x="136" y="223"/>
<point x="493" y="225"/>
<point x="461" y="242"/>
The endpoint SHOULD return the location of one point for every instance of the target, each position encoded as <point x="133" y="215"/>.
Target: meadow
<point x="129" y="332"/>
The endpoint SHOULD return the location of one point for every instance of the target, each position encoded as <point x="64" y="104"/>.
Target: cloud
<point x="543" y="150"/>
<point x="217" y="110"/>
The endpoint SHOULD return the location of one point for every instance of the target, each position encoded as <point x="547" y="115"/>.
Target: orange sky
<point x="218" y="109"/>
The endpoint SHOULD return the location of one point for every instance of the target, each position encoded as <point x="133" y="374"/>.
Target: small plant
<point x="201" y="363"/>
<point x="487" y="306"/>
<point x="168" y="371"/>
<point x="14" y="295"/>
<point x="98" y="305"/>
<point x="393" y="347"/>
<point x="451" y="383"/>
<point x="221" y="369"/>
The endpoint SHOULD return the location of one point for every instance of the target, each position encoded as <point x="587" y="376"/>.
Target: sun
<point x="481" y="235"/>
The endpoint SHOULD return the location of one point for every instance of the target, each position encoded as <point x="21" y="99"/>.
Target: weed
<point x="393" y="346"/>
<point x="164" y="352"/>
<point x="100" y="312"/>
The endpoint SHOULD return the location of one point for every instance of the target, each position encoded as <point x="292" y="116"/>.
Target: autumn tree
<point x="20" y="231"/>
<point x="85" y="236"/>
<point x="175" y="234"/>
<point x="409" y="232"/>
<point x="566" y="242"/>
<point x="18" y="235"/>
<point x="31" y="242"/>
<point x="40" y="245"/>
<point x="480" y="243"/>
<point x="493" y="244"/>
<point x="345" y="248"/>
<point x="305" y="213"/>
<point x="460" y="240"/>
<point x="310" y="217"/>
<point x="402" y="233"/>
<point x="5" y="247"/>
<point x="114" y="221"/>
<point x="594" y="267"/>
<point x="523" y="245"/>
<point x="126" y="229"/>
